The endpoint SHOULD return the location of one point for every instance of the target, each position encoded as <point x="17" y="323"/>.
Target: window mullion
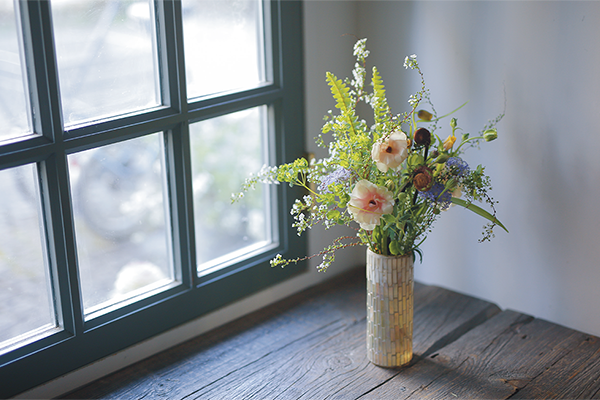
<point x="62" y="259"/>
<point x="179" y="181"/>
<point x="42" y="74"/>
<point x="169" y="27"/>
<point x="170" y="54"/>
<point x="40" y="55"/>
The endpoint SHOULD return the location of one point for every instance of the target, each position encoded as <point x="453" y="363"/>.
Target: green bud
<point x="442" y="158"/>
<point x="414" y="160"/>
<point x="490" y="134"/>
<point x="453" y="123"/>
<point x="390" y="185"/>
<point x="465" y="136"/>
<point x="425" y="115"/>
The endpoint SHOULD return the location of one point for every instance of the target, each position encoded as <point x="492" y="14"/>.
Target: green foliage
<point x="381" y="110"/>
<point x="379" y="177"/>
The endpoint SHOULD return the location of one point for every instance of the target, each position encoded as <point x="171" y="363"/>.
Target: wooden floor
<point x="312" y="346"/>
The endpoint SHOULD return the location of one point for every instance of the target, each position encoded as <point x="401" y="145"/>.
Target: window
<point x="126" y="126"/>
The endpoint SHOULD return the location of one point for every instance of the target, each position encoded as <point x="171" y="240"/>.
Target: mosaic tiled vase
<point x="389" y="309"/>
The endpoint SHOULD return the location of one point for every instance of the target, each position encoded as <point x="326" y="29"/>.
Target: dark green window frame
<point x="77" y="342"/>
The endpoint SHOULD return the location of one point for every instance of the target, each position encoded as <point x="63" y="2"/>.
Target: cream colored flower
<point x="390" y="152"/>
<point x="368" y="202"/>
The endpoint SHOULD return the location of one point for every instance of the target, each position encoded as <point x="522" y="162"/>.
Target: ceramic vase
<point x="390" y="287"/>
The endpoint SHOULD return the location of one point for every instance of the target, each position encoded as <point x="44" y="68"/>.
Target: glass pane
<point x="224" y="151"/>
<point x="106" y="57"/>
<point x="223" y="42"/>
<point x="14" y="115"/>
<point x="25" y="294"/>
<point x="119" y="201"/>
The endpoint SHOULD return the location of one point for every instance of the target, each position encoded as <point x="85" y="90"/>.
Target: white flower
<point x="411" y="62"/>
<point x="390" y="152"/>
<point x="368" y="202"/>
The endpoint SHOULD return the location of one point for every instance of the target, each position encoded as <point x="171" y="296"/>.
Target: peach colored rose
<point x="390" y="152"/>
<point x="368" y="202"/>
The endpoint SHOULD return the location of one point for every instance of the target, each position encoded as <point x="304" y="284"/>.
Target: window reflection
<point x="107" y="60"/>
<point x="14" y="114"/>
<point x="25" y="296"/>
<point x="223" y="42"/>
<point x="121" y="222"/>
<point x="224" y="150"/>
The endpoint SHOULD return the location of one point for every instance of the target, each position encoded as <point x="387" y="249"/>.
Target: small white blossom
<point x="277" y="260"/>
<point x="411" y="62"/>
<point x="413" y="100"/>
<point x="360" y="49"/>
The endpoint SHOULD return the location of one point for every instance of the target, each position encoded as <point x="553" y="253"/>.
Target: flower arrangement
<point x="393" y="178"/>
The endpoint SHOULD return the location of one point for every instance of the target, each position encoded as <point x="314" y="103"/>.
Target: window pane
<point x="25" y="295"/>
<point x="119" y="202"/>
<point x="224" y="151"/>
<point x="14" y="115"/>
<point x="223" y="42"/>
<point x="106" y="57"/>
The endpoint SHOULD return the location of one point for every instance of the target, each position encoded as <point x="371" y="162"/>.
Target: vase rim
<point x="384" y="256"/>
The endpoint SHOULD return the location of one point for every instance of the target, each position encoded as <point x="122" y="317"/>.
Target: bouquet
<point x="390" y="179"/>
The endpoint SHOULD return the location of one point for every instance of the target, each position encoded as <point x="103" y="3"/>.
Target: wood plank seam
<point x="459" y="331"/>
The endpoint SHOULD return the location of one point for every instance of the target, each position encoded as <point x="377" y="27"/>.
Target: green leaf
<point x="478" y="210"/>
<point x="395" y="248"/>
<point x="415" y="160"/>
<point x="339" y="91"/>
<point x="333" y="214"/>
<point x="380" y="106"/>
<point x="418" y="251"/>
<point x="389" y="218"/>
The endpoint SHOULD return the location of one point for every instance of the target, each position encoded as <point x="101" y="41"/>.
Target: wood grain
<point x="312" y="346"/>
<point x="493" y="361"/>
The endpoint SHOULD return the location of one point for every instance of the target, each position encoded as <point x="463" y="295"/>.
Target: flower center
<point x="389" y="149"/>
<point x="372" y="202"/>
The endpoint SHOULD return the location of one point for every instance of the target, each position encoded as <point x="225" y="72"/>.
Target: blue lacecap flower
<point x="459" y="165"/>
<point x="338" y="176"/>
<point x="437" y="195"/>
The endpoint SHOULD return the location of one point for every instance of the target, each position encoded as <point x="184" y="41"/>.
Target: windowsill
<point x="312" y="345"/>
<point x="57" y="387"/>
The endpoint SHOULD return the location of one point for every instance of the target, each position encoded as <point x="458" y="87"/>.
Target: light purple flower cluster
<point x="459" y="165"/>
<point x="338" y="176"/>
<point x="437" y="195"/>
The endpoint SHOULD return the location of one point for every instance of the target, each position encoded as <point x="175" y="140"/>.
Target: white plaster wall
<point x="330" y="30"/>
<point x="541" y="59"/>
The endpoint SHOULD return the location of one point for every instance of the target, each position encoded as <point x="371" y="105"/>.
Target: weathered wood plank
<point x="333" y="364"/>
<point x="309" y="346"/>
<point x="198" y="362"/>
<point x="575" y="376"/>
<point x="495" y="360"/>
<point x="442" y="316"/>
